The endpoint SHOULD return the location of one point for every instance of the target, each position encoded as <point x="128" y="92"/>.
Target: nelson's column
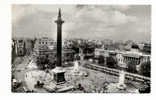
<point x="58" y="71"/>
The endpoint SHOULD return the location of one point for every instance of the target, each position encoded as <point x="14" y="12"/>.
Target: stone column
<point x="59" y="77"/>
<point x="59" y="23"/>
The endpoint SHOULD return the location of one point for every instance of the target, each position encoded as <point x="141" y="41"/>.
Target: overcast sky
<point x="117" y="22"/>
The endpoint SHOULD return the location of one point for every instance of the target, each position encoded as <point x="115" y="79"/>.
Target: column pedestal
<point x="59" y="75"/>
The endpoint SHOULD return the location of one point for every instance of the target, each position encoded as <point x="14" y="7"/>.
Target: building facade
<point x="124" y="57"/>
<point x="46" y="48"/>
<point x="20" y="47"/>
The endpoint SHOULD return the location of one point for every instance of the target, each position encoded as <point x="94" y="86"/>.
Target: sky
<point x="116" y="22"/>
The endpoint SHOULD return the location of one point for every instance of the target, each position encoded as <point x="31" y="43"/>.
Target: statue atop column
<point x="58" y="71"/>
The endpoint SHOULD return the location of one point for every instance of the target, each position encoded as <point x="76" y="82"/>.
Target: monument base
<point x="59" y="77"/>
<point x="59" y="83"/>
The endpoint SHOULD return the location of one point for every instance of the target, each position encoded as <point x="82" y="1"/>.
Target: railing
<point x="129" y="76"/>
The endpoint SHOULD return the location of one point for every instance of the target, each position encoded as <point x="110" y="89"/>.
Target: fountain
<point x="121" y="85"/>
<point x="76" y="69"/>
<point x="76" y="66"/>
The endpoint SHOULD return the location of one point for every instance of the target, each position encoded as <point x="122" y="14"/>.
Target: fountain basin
<point x="121" y="86"/>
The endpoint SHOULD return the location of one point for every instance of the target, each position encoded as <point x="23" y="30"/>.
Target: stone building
<point x="136" y="56"/>
<point x="132" y="57"/>
<point x="46" y="48"/>
<point x="147" y="48"/>
<point x="120" y="60"/>
<point x="20" y="47"/>
<point x="124" y="57"/>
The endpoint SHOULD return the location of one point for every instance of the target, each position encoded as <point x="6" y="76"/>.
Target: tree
<point x="111" y="62"/>
<point x="145" y="69"/>
<point x="42" y="61"/>
<point x="101" y="59"/>
<point x="131" y="67"/>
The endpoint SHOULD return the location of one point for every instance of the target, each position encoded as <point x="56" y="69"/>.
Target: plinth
<point x="59" y="75"/>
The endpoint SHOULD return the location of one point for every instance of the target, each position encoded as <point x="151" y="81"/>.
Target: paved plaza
<point x="92" y="81"/>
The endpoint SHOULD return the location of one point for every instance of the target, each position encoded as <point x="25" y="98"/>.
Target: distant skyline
<point x="115" y="22"/>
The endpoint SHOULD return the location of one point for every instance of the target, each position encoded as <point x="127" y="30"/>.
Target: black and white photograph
<point x="80" y="48"/>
